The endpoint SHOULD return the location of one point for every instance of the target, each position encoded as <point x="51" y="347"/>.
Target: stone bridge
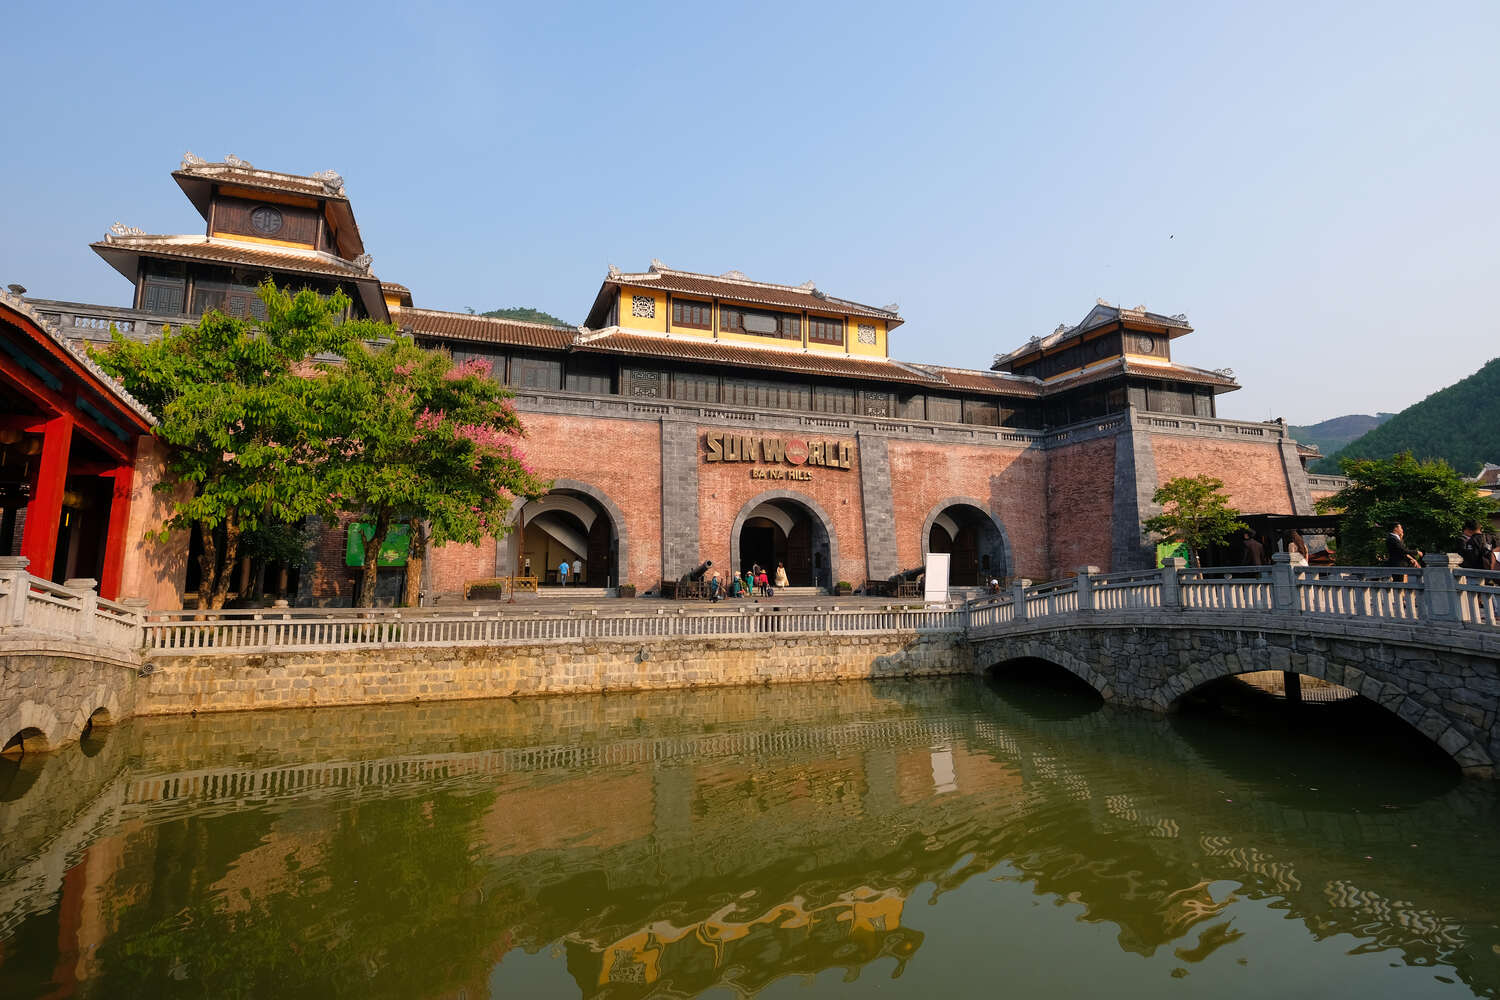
<point x="1423" y="646"/>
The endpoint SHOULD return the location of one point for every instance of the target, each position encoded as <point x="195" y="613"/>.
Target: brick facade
<point x="1059" y="501"/>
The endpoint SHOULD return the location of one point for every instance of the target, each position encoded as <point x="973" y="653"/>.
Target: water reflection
<point x="668" y="843"/>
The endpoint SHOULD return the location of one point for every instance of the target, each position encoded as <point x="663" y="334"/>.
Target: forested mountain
<point x="525" y="314"/>
<point x="1459" y="424"/>
<point x="1332" y="434"/>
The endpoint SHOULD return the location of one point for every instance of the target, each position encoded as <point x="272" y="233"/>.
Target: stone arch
<point x="996" y="654"/>
<point x="26" y="741"/>
<point x="507" y="555"/>
<point x="939" y="511"/>
<point x="812" y="506"/>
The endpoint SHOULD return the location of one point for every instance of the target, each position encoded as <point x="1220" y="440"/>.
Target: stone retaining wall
<point x="180" y="684"/>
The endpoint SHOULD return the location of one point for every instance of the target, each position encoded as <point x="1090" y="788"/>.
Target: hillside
<point x="1460" y="424"/>
<point x="525" y="314"/>
<point x="1332" y="434"/>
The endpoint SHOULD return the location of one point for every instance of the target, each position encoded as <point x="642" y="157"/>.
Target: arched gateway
<point x="974" y="537"/>
<point x="575" y="522"/>
<point x="780" y="526"/>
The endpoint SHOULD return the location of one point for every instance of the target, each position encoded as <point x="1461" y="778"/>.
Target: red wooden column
<point x="44" y="512"/>
<point x="119" y="532"/>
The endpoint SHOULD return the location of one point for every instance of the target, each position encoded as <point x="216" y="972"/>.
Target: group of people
<point x="1473" y="545"/>
<point x="754" y="581"/>
<point x="565" y="571"/>
<point x="1256" y="550"/>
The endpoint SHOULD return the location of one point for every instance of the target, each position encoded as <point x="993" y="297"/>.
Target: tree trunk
<point x="208" y="563"/>
<point x="231" y="549"/>
<point x="257" y="588"/>
<point x="372" y="558"/>
<point x="415" y="560"/>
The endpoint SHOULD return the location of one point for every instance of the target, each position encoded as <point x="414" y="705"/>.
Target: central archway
<point x="780" y="526"/>
<point x="573" y="522"/>
<point x="974" y="537"/>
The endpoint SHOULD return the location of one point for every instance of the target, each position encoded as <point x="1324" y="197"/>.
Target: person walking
<point x="1398" y="555"/>
<point x="562" y="573"/>
<point x="764" y="584"/>
<point x="1296" y="547"/>
<point x="577" y="572"/>
<point x="713" y="588"/>
<point x="781" y="580"/>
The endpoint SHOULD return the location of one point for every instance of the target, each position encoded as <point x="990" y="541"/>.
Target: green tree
<point x="238" y="415"/>
<point x="412" y="436"/>
<point x="1195" y="511"/>
<point x="524" y="314"/>
<point x="1429" y="499"/>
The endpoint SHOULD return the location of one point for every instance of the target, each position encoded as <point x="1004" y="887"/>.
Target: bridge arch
<point x="974" y="534"/>
<point x="811" y="526"/>
<point x="1155" y="667"/>
<point x="583" y="515"/>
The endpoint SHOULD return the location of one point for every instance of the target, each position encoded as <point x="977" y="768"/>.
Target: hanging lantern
<point x="9" y="435"/>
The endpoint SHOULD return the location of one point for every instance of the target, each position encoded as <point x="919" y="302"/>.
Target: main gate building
<point x="695" y="417"/>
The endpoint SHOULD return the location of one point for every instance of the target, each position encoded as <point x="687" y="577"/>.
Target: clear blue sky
<point x="1315" y="185"/>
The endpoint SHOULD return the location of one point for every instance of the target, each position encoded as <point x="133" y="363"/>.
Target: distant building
<point x="695" y="416"/>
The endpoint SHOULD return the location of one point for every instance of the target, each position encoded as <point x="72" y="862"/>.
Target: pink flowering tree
<point x="412" y="436"/>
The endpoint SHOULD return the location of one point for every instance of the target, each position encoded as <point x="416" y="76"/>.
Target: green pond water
<point x="923" y="839"/>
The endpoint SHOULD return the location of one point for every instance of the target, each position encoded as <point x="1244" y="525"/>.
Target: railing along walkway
<point x="245" y="631"/>
<point x="1439" y="594"/>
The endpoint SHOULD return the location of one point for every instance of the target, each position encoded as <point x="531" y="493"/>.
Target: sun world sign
<point x="775" y="457"/>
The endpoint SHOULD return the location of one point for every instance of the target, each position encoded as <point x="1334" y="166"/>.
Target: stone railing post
<point x="1283" y="584"/>
<point x="88" y="603"/>
<point x="1018" y="600"/>
<point x="1439" y="592"/>
<point x="138" y="607"/>
<point x="1171" y="585"/>
<point x="17" y="584"/>
<point x="1084" y="584"/>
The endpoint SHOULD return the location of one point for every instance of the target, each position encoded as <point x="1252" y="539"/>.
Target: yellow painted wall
<point x="875" y="350"/>
<point x="658" y="323"/>
<point x="241" y="237"/>
<point x="393" y="303"/>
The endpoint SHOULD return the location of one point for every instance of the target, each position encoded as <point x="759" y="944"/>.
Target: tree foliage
<point x="1456" y="424"/>
<point x="265" y="427"/>
<point x="414" y="436"/>
<point x="525" y="314"/>
<point x="239" y="419"/>
<point x="1428" y="498"/>
<point x="1196" y="511"/>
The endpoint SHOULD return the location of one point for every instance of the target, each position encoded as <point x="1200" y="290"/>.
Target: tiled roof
<point x="1101" y="315"/>
<point x="1121" y="366"/>
<point x="970" y="380"/>
<point x="219" y="250"/>
<point x="717" y="352"/>
<point x="79" y="354"/>
<point x="739" y="288"/>
<point x="247" y="176"/>
<point x="461" y="326"/>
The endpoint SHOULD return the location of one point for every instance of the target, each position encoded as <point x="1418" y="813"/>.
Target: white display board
<point x="936" y="589"/>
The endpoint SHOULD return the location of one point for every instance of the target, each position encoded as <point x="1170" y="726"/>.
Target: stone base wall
<point x="304" y="679"/>
<point x="50" y="688"/>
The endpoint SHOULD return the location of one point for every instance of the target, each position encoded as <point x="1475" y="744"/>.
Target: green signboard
<point x="392" y="553"/>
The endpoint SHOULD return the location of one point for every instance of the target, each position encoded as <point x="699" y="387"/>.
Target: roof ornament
<point x="893" y="307"/>
<point x="1179" y="317"/>
<point x="807" y="286"/>
<point x="1103" y="302"/>
<point x="1061" y="328"/>
<point x="192" y="159"/>
<point x="657" y="265"/>
<point x="735" y="275"/>
<point x="614" y="272"/>
<point x="1224" y="373"/>
<point x="332" y="180"/>
<point x="363" y="262"/>
<point x="235" y="161"/>
<point x="120" y="229"/>
<point x="1034" y="341"/>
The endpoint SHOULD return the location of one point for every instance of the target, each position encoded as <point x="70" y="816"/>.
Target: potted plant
<point x="627" y="590"/>
<point x="844" y="588"/>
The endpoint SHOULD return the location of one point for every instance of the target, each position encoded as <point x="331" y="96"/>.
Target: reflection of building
<point x="716" y="417"/>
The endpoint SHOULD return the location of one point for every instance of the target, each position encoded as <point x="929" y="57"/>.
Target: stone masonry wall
<point x="1009" y="482"/>
<point x="178" y="685"/>
<point x="1253" y="474"/>
<point x="1080" y="503"/>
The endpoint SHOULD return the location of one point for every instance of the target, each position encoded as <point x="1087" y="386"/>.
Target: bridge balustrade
<point x="1478" y="596"/>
